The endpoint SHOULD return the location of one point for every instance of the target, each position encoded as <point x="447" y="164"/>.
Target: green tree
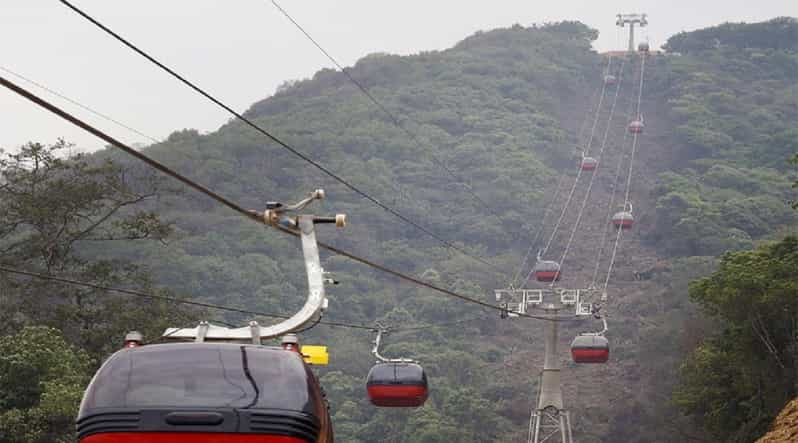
<point x="739" y="378"/>
<point x="56" y="208"/>
<point x="42" y="378"/>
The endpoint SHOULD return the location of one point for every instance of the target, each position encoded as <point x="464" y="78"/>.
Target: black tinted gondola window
<point x="410" y="374"/>
<point x="194" y="375"/>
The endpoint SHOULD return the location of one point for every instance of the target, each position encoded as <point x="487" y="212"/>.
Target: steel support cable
<point x="539" y="231"/>
<point x="595" y="172"/>
<point x="177" y="300"/>
<point x="80" y="105"/>
<point x="184" y="301"/>
<point x="230" y="204"/>
<point x="611" y="202"/>
<point x="560" y="181"/>
<point x="280" y="142"/>
<point x="579" y="171"/>
<point x="397" y="122"/>
<point x="629" y="175"/>
<point x="394" y="119"/>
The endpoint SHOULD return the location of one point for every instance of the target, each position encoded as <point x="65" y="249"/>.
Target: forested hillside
<point x="504" y="110"/>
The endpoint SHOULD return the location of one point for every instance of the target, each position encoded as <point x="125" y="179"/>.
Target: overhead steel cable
<point x="80" y="105"/>
<point x="233" y="309"/>
<point x="279" y="141"/>
<point x="150" y="162"/>
<point x="534" y="242"/>
<point x="595" y="172"/>
<point x="167" y="298"/>
<point x="585" y="151"/>
<point x="615" y="186"/>
<point x="549" y="206"/>
<point x="230" y="204"/>
<point x="626" y="202"/>
<point x="394" y="119"/>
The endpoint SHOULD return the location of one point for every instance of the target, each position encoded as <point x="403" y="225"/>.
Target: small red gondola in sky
<point x="610" y="80"/>
<point x="588" y="163"/>
<point x="547" y="271"/>
<point x="636" y="127"/>
<point x="397" y="382"/>
<point x="623" y="220"/>
<point x="590" y="348"/>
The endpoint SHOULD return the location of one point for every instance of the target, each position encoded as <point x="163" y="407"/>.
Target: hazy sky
<point x="241" y="50"/>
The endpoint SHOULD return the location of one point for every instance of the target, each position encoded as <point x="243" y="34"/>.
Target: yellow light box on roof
<point x="315" y="355"/>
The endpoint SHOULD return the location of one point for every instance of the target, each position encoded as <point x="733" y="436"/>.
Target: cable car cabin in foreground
<point x="623" y="220"/>
<point x="397" y="384"/>
<point x="204" y="393"/>
<point x="588" y="164"/>
<point x="547" y="271"/>
<point x="590" y="349"/>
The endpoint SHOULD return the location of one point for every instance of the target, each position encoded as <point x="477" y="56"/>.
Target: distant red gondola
<point x="547" y="271"/>
<point x="395" y="384"/>
<point x="610" y="80"/>
<point x="636" y="127"/>
<point x="590" y="349"/>
<point x="588" y="164"/>
<point x="623" y="220"/>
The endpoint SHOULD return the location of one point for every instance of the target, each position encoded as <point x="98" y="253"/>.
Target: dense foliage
<point x="737" y="380"/>
<point x="778" y="34"/>
<point x="732" y="109"/>
<point x="52" y="336"/>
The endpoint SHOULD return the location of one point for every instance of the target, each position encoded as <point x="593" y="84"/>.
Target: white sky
<point x="241" y="50"/>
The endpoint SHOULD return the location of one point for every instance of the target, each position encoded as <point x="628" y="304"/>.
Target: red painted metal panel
<point x="397" y="395"/>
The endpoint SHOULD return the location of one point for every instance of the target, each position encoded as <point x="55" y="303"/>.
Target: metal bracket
<point x="304" y="227"/>
<point x="376" y="349"/>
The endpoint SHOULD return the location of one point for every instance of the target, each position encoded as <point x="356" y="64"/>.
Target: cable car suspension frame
<point x="277" y="214"/>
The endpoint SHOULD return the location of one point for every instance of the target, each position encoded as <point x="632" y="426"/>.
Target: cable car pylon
<point x="550" y="421"/>
<point x="632" y="20"/>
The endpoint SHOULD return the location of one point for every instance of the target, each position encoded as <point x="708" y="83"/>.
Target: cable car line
<point x="610" y="203"/>
<point x="230" y="204"/>
<point x="78" y="104"/>
<point x="579" y="171"/>
<point x="279" y="141"/>
<point x="394" y="119"/>
<point x="635" y="136"/>
<point x="542" y="225"/>
<point x="237" y="310"/>
<point x="177" y="300"/>
<point x="127" y="149"/>
<point x="550" y="205"/>
<point x="595" y="172"/>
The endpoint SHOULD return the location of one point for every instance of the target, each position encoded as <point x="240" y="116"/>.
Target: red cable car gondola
<point x="588" y="164"/>
<point x="636" y="127"/>
<point x="547" y="271"/>
<point x="397" y="384"/>
<point x="590" y="348"/>
<point x="610" y="80"/>
<point x="204" y="393"/>
<point x="623" y="220"/>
